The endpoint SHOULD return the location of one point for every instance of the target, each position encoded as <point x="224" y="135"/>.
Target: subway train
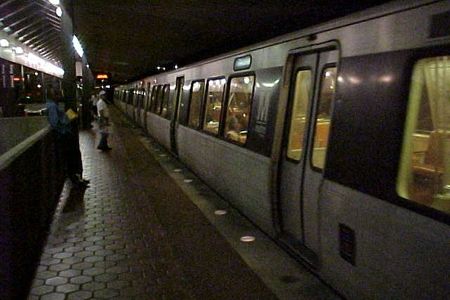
<point x="334" y="140"/>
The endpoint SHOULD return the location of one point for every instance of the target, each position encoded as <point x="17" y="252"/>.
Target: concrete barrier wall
<point x="31" y="180"/>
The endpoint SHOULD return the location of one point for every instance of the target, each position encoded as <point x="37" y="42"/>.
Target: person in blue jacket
<point x="66" y="139"/>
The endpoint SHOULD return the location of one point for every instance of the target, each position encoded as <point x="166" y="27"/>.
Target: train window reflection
<point x="299" y="111"/>
<point x="424" y="174"/>
<point x="323" y="117"/>
<point x="238" y="108"/>
<point x="197" y="89"/>
<point x="165" y="101"/>
<point x="213" y="106"/>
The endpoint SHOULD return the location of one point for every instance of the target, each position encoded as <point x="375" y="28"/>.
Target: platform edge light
<point x="77" y="46"/>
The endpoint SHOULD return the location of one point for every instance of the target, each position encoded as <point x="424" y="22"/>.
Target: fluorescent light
<point x="4" y="43"/>
<point x="77" y="46"/>
<point x="54" y="2"/>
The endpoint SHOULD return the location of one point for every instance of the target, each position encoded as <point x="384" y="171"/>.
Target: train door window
<point x="140" y="98"/>
<point x="197" y="90"/>
<point x="131" y="97"/>
<point x="155" y="103"/>
<point x="424" y="175"/>
<point x="238" y="108"/>
<point x="153" y="98"/>
<point x="147" y="97"/>
<point x="143" y="98"/>
<point x="172" y="101"/>
<point x="165" y="101"/>
<point x="137" y="94"/>
<point x="213" y="105"/>
<point x="323" y="117"/>
<point x="300" y="104"/>
<point x="159" y="99"/>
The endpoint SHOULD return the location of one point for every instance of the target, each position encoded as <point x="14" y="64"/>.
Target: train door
<point x="176" y="112"/>
<point x="304" y="147"/>
<point x="146" y="106"/>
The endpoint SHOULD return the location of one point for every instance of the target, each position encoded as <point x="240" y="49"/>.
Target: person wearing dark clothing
<point x="66" y="139"/>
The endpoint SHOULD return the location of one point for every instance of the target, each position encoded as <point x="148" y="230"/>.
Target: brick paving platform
<point x="134" y="234"/>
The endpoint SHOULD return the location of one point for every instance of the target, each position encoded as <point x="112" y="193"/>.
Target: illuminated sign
<point x="102" y="76"/>
<point x="242" y="63"/>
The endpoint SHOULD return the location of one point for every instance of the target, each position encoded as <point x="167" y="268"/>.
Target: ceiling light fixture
<point x="54" y="2"/>
<point x="59" y="11"/>
<point x="4" y="43"/>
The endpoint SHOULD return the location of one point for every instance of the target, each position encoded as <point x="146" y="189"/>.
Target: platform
<point x="147" y="228"/>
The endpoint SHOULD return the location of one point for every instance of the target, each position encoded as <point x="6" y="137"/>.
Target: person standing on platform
<point x="66" y="140"/>
<point x="93" y="101"/>
<point x="103" y="122"/>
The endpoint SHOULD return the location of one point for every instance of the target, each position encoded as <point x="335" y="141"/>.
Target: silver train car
<point x="334" y="140"/>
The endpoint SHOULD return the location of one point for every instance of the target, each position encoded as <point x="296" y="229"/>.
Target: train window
<point x="130" y="97"/>
<point x="323" y="117"/>
<point x="238" y="108"/>
<point x="213" y="106"/>
<point x="300" y="103"/>
<point x="147" y="97"/>
<point x="159" y="99"/>
<point x="165" y="101"/>
<point x="172" y="101"/>
<point x="197" y="89"/>
<point x="424" y="175"/>
<point x="141" y="99"/>
<point x="153" y="98"/>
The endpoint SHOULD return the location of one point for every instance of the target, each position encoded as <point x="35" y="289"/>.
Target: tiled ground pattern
<point x="134" y="235"/>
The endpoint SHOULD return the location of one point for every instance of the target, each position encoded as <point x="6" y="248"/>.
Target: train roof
<point x="361" y="16"/>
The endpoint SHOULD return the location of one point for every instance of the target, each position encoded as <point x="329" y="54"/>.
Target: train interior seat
<point x="428" y="166"/>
